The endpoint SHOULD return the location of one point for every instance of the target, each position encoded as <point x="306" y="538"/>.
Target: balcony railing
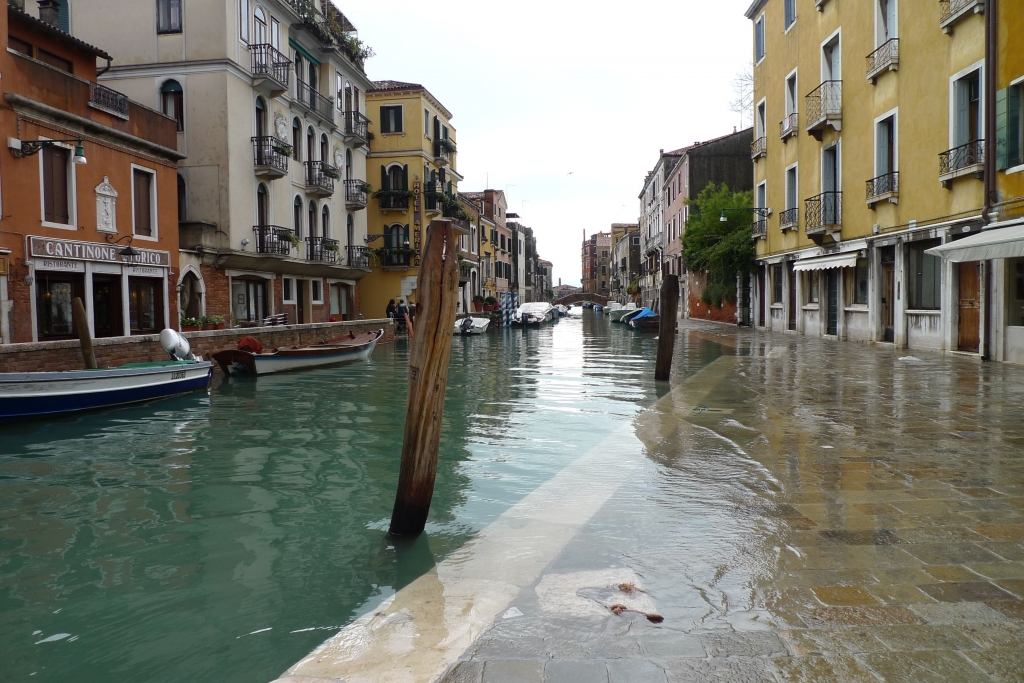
<point x="355" y="194"/>
<point x="358" y="257"/>
<point x="887" y="57"/>
<point x="759" y="228"/>
<point x="108" y="100"/>
<point x="823" y="212"/>
<point x="433" y="197"/>
<point x="788" y="218"/>
<point x="270" y="156"/>
<point x="759" y="147"/>
<point x="885" y="186"/>
<point x="322" y="249"/>
<point x="267" y="62"/>
<point x="320" y="177"/>
<point x="356" y="125"/>
<point x="314" y="101"/>
<point x="788" y="126"/>
<point x="394" y="199"/>
<point x="951" y="10"/>
<point x="963" y="160"/>
<point x="442" y="153"/>
<point x="273" y="239"/>
<point x="825" y="106"/>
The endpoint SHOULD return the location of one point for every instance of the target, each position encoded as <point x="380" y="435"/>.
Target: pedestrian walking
<point x="390" y="310"/>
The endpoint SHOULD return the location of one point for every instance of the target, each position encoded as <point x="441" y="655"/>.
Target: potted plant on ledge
<point x="478" y="303"/>
<point x="490" y="303"/>
<point x="212" y="322"/>
<point x="190" y="325"/>
<point x="282" y="148"/>
<point x="330" y="172"/>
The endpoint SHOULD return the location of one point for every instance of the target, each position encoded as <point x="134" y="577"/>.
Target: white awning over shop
<point x="847" y="260"/>
<point x="992" y="243"/>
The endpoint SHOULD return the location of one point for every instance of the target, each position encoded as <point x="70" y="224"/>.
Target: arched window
<point x="348" y="165"/>
<point x="312" y="220"/>
<point x="172" y="102"/>
<point x="298" y="67"/>
<point x="182" y="200"/>
<point x="396" y="178"/>
<point x="190" y="296"/>
<point x="262" y="205"/>
<point x="312" y="77"/>
<point x="310" y="144"/>
<point x="348" y="96"/>
<point x="297" y="216"/>
<point x="296" y="139"/>
<point x="325" y="222"/>
<point x="259" y="26"/>
<point x="397" y="238"/>
<point x="261" y="117"/>
<point x="324" y="152"/>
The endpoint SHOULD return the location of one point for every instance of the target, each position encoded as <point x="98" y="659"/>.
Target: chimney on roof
<point x="661" y="151"/>
<point x="734" y="129"/>
<point x="49" y="11"/>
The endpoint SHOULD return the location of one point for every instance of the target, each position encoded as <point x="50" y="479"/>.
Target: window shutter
<point x="384" y="179"/>
<point x="1013" y="130"/>
<point x="405" y="177"/>
<point x="385" y="119"/>
<point x="1002" y="137"/>
<point x="890" y="19"/>
<point x="882" y="148"/>
<point x="791" y="189"/>
<point x="405" y="235"/>
<point x="143" y="214"/>
<point x="57" y="176"/>
<point x="962" y="131"/>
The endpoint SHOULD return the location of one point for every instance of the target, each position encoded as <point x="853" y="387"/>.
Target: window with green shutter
<point x="1009" y="127"/>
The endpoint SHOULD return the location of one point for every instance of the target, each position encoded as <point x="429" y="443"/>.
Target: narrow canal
<point x="224" y="537"/>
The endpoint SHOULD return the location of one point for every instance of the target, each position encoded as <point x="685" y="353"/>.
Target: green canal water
<point x="223" y="537"/>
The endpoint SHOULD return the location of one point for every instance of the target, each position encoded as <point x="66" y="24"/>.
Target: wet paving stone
<point x="813" y="669"/>
<point x="513" y="671"/>
<point x="733" y="669"/>
<point x="1001" y="663"/>
<point x="585" y="671"/>
<point x="844" y="595"/>
<point x="966" y="591"/>
<point x="861" y="537"/>
<point x="912" y="637"/>
<point x="635" y="671"/>
<point x="924" y="667"/>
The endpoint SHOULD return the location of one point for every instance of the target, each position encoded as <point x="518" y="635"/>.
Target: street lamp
<point x="26" y="148"/>
<point x="128" y="253"/>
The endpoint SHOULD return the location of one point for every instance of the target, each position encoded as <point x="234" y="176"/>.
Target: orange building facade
<point x="86" y="173"/>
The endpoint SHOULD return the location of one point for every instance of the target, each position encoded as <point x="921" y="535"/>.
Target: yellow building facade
<point x="412" y="170"/>
<point x="868" y="151"/>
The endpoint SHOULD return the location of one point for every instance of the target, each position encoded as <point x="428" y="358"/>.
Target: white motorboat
<point x="562" y="310"/>
<point x="534" y="313"/>
<point x="616" y="315"/>
<point x="574" y="311"/>
<point x="611" y="306"/>
<point x="470" y="325"/>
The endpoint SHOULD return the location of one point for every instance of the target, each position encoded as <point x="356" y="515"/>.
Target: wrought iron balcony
<point x="270" y="68"/>
<point x="309" y="98"/>
<point x="320" y="177"/>
<point x="273" y="239"/>
<point x="885" y="58"/>
<point x="356" y="126"/>
<point x="393" y="200"/>
<point x="759" y="228"/>
<point x="789" y="125"/>
<point x="434" y="197"/>
<point x="960" y="161"/>
<point x="442" y="155"/>
<point x="824" y="106"/>
<point x="950" y="11"/>
<point x="322" y="249"/>
<point x="355" y="194"/>
<point x="885" y="186"/>
<point x="358" y="257"/>
<point x="108" y="100"/>
<point x="823" y="213"/>
<point x="759" y="147"/>
<point x="789" y="219"/>
<point x="270" y="156"/>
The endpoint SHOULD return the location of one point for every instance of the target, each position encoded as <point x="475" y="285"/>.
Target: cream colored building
<point x="269" y="96"/>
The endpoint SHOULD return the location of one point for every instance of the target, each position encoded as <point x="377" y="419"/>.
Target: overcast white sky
<point x="539" y="90"/>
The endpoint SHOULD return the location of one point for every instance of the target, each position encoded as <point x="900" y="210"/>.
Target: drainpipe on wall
<point x="991" y="37"/>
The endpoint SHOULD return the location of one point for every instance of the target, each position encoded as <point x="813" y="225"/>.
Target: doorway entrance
<point x="969" y="327"/>
<point x="106" y="304"/>
<point x="832" y="285"/>
<point x="792" y="296"/>
<point x="300" y="302"/>
<point x="888" y="258"/>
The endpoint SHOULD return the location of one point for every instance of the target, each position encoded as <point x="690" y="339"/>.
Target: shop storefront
<point x="123" y="295"/>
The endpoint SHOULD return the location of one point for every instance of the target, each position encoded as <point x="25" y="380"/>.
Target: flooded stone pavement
<point x="800" y="510"/>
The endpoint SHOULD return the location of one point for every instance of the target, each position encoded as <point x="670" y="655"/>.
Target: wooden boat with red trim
<point x="355" y="347"/>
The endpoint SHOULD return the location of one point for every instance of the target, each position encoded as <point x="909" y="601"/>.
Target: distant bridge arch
<point x="582" y="298"/>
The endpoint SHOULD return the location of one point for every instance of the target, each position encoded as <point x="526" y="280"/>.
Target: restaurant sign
<point x="45" y="247"/>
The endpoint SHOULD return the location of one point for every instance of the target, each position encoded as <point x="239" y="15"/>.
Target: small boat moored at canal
<point x="250" y="359"/>
<point x="471" y="325"/>
<point x="534" y="313"/>
<point x="616" y="315"/>
<point x="645" y="321"/>
<point x="634" y="313"/>
<point x="39" y="394"/>
<point x="562" y="310"/>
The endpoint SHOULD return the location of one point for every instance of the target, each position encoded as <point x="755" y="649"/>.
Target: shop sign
<point x="62" y="265"/>
<point x="145" y="271"/>
<point x="45" y="247"/>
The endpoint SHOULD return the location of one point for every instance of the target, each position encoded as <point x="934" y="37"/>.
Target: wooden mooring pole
<point x="81" y="321"/>
<point x="429" y="352"/>
<point x="667" y="326"/>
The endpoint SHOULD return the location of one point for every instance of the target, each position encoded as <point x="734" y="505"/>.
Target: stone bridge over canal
<point x="582" y="298"/>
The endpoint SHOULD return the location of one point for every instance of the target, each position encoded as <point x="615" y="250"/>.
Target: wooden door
<point x="970" y="307"/>
<point x="106" y="297"/>
<point x="762" y="303"/>
<point x="300" y="301"/>
<point x="832" y="285"/>
<point x="889" y="301"/>
<point x="792" y="298"/>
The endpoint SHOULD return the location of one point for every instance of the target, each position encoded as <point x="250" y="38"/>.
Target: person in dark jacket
<point x="390" y="311"/>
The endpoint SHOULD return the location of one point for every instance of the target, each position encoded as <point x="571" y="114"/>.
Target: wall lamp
<point x="761" y="213"/>
<point x="26" y="148"/>
<point x="128" y="252"/>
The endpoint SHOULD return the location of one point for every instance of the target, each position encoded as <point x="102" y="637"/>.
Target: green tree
<point x="720" y="248"/>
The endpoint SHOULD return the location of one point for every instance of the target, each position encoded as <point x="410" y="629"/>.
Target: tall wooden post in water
<point x="81" y="321"/>
<point x="667" y="326"/>
<point x="429" y="352"/>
